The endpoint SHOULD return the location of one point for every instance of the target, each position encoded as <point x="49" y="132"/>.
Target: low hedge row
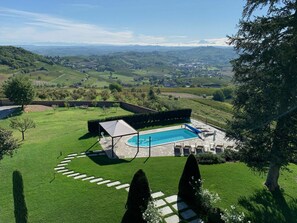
<point x="147" y="119"/>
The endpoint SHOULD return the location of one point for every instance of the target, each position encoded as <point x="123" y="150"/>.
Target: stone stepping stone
<point x="197" y="220"/>
<point x="73" y="154"/>
<point x="73" y="174"/>
<point x="165" y="211"/>
<point x="81" y="156"/>
<point x="59" y="168"/>
<point x="62" y="171"/>
<point x="63" y="164"/>
<point x="96" y="180"/>
<point x="65" y="161"/>
<point x="103" y="182"/>
<point x="80" y="176"/>
<point x="83" y="153"/>
<point x="180" y="206"/>
<point x="127" y="189"/>
<point x="113" y="184"/>
<point x="69" y="172"/>
<point x="122" y="186"/>
<point x="157" y="194"/>
<point x="172" y="199"/>
<point x="188" y="214"/>
<point x="88" y="178"/>
<point x="172" y="219"/>
<point x="159" y="203"/>
<point x="68" y="158"/>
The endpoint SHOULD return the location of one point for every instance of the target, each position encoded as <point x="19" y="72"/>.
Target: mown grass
<point x="52" y="197"/>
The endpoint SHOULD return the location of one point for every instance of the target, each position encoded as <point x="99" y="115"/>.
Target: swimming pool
<point x="164" y="137"/>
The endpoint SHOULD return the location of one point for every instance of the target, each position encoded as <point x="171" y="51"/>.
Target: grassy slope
<point x="52" y="197"/>
<point x="58" y="200"/>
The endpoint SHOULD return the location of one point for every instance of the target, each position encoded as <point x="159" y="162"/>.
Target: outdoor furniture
<point x="177" y="150"/>
<point x="199" y="149"/>
<point x="186" y="150"/>
<point x="219" y="148"/>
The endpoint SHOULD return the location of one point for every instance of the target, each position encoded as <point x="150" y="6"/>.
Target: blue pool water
<point x="159" y="138"/>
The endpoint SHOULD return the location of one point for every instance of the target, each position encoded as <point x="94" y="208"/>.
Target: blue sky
<point x="144" y="22"/>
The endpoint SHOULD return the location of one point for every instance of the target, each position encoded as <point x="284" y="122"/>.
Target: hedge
<point x="147" y="119"/>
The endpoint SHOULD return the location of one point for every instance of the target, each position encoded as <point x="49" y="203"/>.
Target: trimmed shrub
<point x="190" y="181"/>
<point x="138" y="198"/>
<point x="210" y="158"/>
<point x="146" y="119"/>
<point x="20" y="208"/>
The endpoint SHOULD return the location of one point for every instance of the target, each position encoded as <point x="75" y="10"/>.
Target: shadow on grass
<point x="266" y="207"/>
<point x="87" y="136"/>
<point x="10" y="113"/>
<point x="104" y="160"/>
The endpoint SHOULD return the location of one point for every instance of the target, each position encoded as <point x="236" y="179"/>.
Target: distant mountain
<point x="96" y="50"/>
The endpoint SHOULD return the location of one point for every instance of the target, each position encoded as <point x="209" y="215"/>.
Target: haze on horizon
<point x="131" y="22"/>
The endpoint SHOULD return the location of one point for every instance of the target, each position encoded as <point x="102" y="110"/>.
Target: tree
<point x="151" y="94"/>
<point x="218" y="96"/>
<point x="105" y="95"/>
<point x="115" y="86"/>
<point x="138" y="198"/>
<point x="20" y="207"/>
<point x="265" y="103"/>
<point x="7" y="143"/>
<point x="189" y="181"/>
<point x="20" y="90"/>
<point x="22" y="124"/>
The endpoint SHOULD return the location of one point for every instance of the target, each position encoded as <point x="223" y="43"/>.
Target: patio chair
<point x="187" y="150"/>
<point x="219" y="148"/>
<point x="177" y="150"/>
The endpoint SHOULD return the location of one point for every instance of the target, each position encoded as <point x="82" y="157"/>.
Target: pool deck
<point x="122" y="150"/>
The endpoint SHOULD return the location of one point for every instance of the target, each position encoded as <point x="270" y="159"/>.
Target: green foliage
<point x="218" y="96"/>
<point x="16" y="57"/>
<point x="210" y="158"/>
<point x="228" y="93"/>
<point x="20" y="208"/>
<point x="19" y="90"/>
<point x="7" y="143"/>
<point x="105" y="95"/>
<point x="138" y="197"/>
<point x="115" y="86"/>
<point x="146" y="119"/>
<point x="22" y="125"/>
<point x="151" y="94"/>
<point x="152" y="214"/>
<point x="265" y="114"/>
<point x="231" y="155"/>
<point x="189" y="180"/>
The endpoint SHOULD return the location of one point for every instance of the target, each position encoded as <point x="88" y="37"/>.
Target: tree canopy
<point x="7" y="143"/>
<point x="20" y="90"/>
<point x="265" y="102"/>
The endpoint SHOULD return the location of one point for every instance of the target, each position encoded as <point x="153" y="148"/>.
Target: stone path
<point x="172" y="208"/>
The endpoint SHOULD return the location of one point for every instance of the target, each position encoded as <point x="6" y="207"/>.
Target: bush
<point x="139" y="192"/>
<point x="210" y="158"/>
<point x="115" y="86"/>
<point x="146" y="119"/>
<point x="231" y="155"/>
<point x="189" y="181"/>
<point x="218" y="96"/>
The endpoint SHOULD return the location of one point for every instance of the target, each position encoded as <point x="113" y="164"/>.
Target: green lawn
<point x="53" y="197"/>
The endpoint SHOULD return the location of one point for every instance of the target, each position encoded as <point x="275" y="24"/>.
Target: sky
<point x="118" y="22"/>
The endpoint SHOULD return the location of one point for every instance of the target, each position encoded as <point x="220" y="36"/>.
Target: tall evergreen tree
<point x="189" y="181"/>
<point x="265" y="103"/>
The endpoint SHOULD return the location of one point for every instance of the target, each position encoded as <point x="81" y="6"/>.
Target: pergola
<point x="118" y="128"/>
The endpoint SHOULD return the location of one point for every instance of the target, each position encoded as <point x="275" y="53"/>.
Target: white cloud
<point x="34" y="28"/>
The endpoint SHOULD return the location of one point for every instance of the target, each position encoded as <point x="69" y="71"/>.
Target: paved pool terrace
<point x="122" y="150"/>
